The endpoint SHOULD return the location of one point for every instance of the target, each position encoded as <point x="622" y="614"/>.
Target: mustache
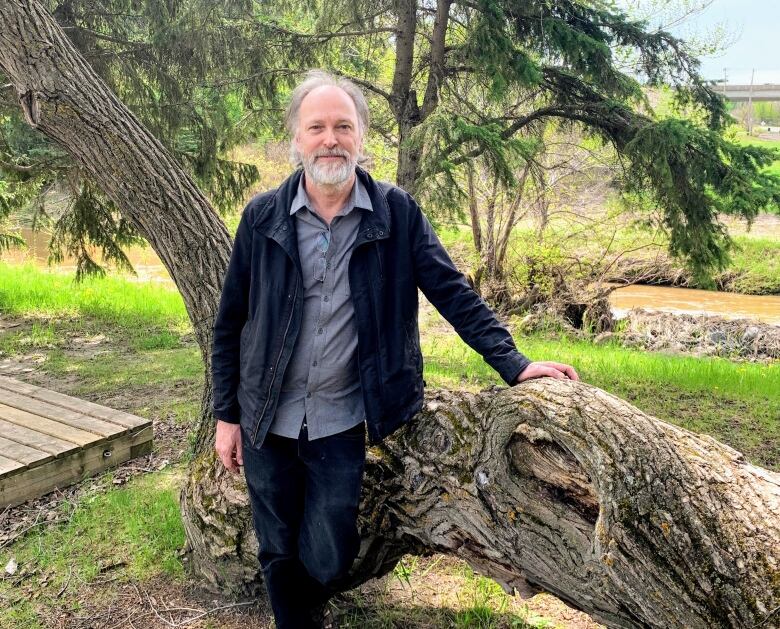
<point x="332" y="153"/>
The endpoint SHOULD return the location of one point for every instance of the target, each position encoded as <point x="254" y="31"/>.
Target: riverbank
<point x="107" y="551"/>
<point x="755" y="269"/>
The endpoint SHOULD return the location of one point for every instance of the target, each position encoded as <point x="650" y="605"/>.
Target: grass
<point x="738" y="403"/>
<point x="133" y="533"/>
<point x="744" y="138"/>
<point x="758" y="261"/>
<point x="439" y="591"/>
<point x="139" y="369"/>
<point x="136" y="308"/>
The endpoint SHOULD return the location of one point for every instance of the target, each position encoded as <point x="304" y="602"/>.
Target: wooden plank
<point x="48" y="426"/>
<point x="9" y="465"/>
<point x="72" y="403"/>
<point x="63" y="415"/>
<point x="27" y="437"/>
<point x="22" y="453"/>
<point x="60" y="472"/>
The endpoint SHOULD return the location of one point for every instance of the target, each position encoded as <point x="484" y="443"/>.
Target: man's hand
<point x="549" y="369"/>
<point x="228" y="445"/>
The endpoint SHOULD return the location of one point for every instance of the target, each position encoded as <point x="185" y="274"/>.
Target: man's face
<point x="328" y="137"/>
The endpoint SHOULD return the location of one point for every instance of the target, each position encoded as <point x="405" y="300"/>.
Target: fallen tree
<point x="553" y="486"/>
<point x="549" y="485"/>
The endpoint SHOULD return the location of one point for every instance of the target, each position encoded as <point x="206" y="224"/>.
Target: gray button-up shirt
<point x="322" y="382"/>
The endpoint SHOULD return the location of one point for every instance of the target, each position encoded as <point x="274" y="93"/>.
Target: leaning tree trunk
<point x="559" y="487"/>
<point x="63" y="98"/>
<point x="550" y="485"/>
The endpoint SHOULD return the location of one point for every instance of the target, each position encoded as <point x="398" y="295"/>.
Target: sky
<point x="752" y="27"/>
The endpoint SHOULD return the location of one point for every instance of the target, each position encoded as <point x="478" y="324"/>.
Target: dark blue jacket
<point x="395" y="251"/>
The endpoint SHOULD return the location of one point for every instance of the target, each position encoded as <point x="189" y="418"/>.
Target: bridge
<point x="744" y="93"/>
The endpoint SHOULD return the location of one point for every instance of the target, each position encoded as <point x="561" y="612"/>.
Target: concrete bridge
<point x="744" y="93"/>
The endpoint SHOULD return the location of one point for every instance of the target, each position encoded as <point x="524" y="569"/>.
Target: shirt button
<point x="308" y="395"/>
<point x="326" y="298"/>
<point x="319" y="331"/>
<point x="314" y="364"/>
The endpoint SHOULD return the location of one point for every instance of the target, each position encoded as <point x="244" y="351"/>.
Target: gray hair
<point x="313" y="80"/>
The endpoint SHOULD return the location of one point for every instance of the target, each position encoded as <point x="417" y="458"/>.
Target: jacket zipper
<point x="276" y="364"/>
<point x="379" y="261"/>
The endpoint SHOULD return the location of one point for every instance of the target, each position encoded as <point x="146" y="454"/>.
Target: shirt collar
<point x="358" y="197"/>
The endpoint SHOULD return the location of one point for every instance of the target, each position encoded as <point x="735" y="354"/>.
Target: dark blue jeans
<point x="305" y="497"/>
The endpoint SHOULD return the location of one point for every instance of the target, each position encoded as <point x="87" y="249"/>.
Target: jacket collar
<point x="274" y="219"/>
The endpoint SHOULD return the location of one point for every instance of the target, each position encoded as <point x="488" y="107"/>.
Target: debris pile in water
<point x="701" y="336"/>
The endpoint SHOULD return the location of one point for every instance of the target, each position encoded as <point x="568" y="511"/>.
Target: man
<point x="316" y="343"/>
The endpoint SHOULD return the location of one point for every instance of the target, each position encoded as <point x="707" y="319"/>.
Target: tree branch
<point x="367" y="85"/>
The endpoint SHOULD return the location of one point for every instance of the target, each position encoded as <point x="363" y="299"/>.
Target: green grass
<point x="139" y="526"/>
<point x="756" y="259"/>
<point x="137" y="308"/>
<point x="464" y="599"/>
<point x="744" y="138"/>
<point x="139" y="369"/>
<point x="484" y="605"/>
<point x="759" y="260"/>
<point x="133" y="533"/>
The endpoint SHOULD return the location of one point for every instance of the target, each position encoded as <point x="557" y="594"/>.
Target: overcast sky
<point x="754" y="29"/>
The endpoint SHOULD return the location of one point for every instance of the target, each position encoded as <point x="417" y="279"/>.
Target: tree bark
<point x="551" y="485"/>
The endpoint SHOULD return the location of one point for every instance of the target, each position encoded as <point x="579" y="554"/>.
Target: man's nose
<point x="330" y="139"/>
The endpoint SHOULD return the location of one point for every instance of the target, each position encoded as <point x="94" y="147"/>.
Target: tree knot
<point x="533" y="434"/>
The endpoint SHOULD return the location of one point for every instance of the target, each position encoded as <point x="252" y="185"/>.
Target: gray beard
<point x="330" y="175"/>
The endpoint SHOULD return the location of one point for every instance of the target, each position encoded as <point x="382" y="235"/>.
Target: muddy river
<point x="765" y="308"/>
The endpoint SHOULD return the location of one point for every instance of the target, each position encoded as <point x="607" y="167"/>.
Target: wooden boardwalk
<point x="50" y="440"/>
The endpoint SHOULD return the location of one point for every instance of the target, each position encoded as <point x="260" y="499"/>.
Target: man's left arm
<point x="447" y="289"/>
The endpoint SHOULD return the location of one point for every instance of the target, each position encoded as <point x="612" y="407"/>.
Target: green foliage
<point x="206" y="77"/>
<point x="694" y="174"/>
<point x="490" y="45"/>
<point x="166" y="61"/>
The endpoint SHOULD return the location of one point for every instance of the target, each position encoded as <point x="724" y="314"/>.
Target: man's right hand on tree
<point x="228" y="445"/>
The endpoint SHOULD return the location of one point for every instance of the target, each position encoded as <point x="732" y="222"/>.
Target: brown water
<point x="144" y="260"/>
<point x="693" y="301"/>
<point x="660" y="298"/>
